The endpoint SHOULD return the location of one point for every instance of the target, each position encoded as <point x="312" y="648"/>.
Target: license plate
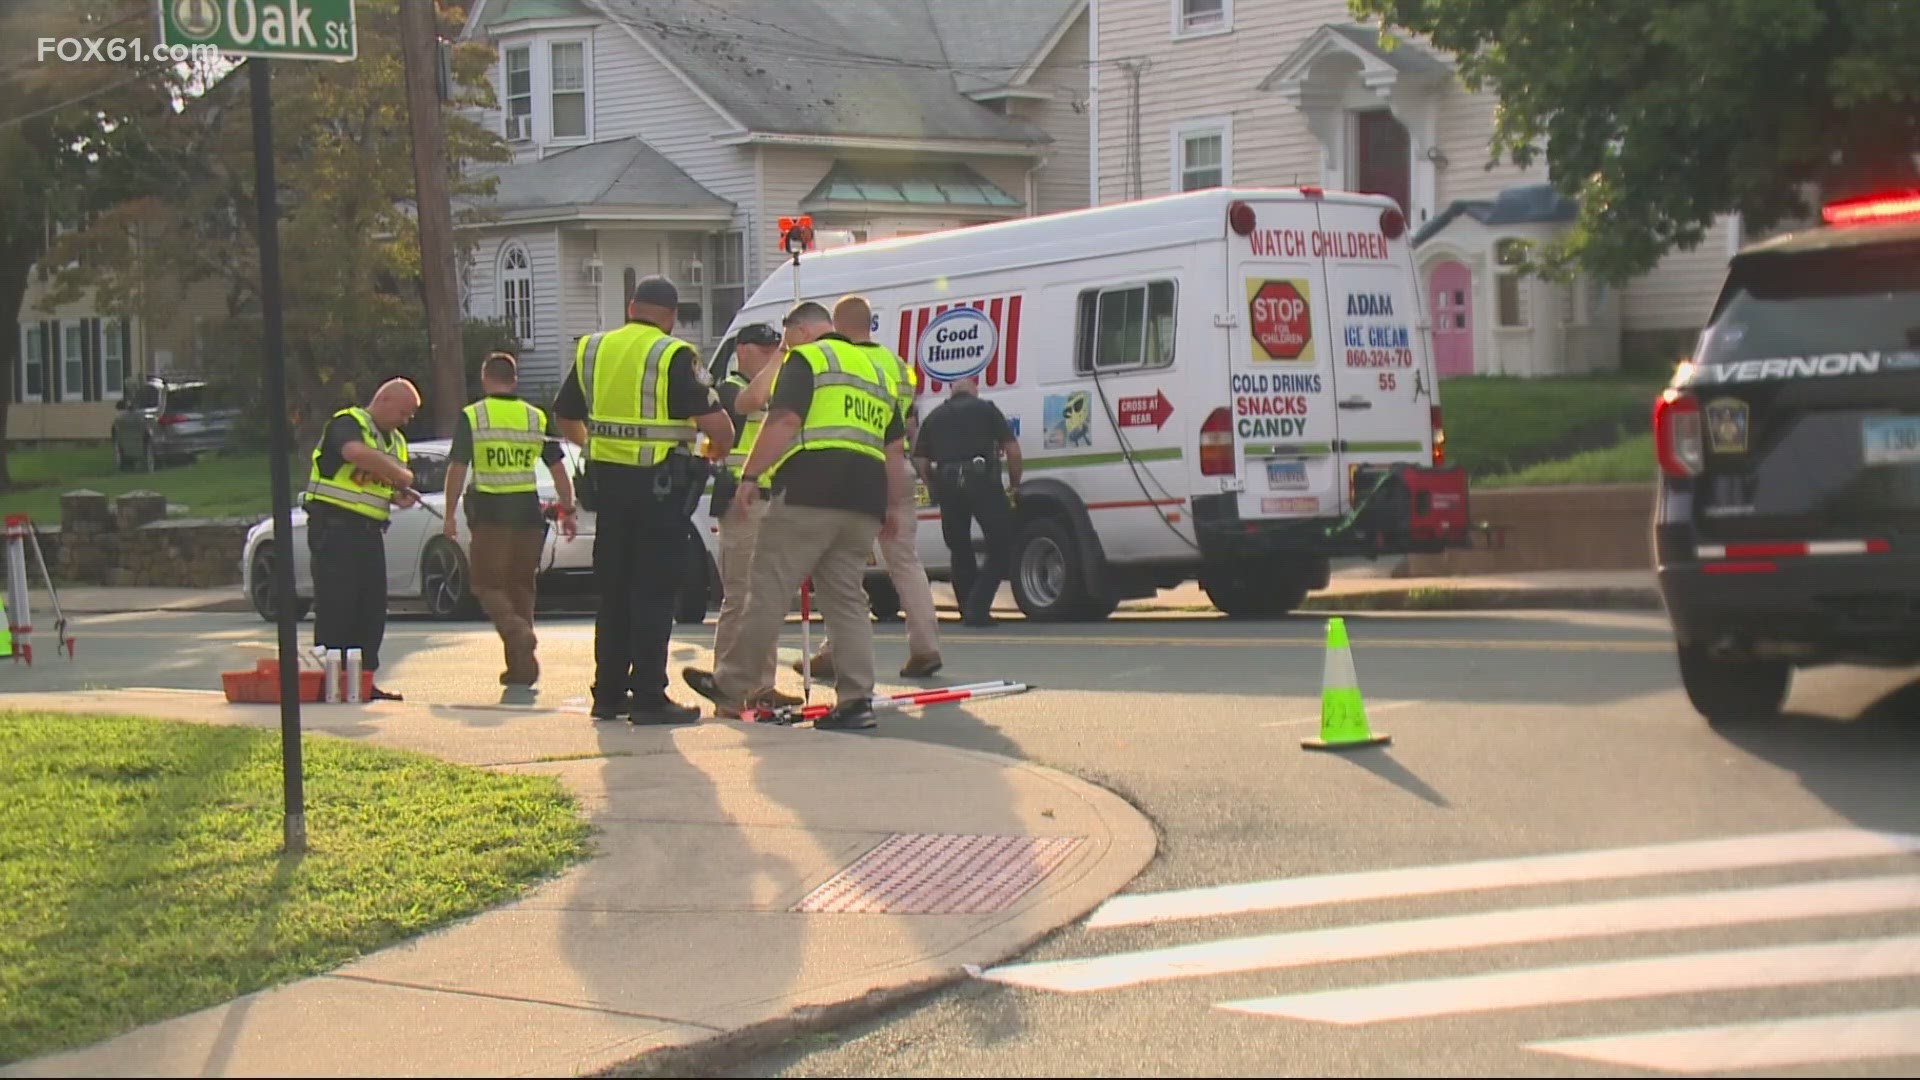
<point x="1890" y="440"/>
<point x="1286" y="476"/>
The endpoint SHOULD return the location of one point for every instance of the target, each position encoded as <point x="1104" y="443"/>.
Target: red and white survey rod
<point x="940" y="696"/>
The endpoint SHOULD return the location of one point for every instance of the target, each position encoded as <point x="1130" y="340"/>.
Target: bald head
<point x="853" y="318"/>
<point x="394" y="403"/>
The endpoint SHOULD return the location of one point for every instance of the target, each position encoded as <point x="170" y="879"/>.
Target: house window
<point x="1510" y="294"/>
<point x="516" y="292"/>
<point x="1202" y="16"/>
<point x="1127" y="327"/>
<point x="113" y="361"/>
<point x="73" y="361"/>
<point x="519" y="68"/>
<point x="568" y="82"/>
<point x="1203" y="154"/>
<point x="33" y="364"/>
<point x="727" y="258"/>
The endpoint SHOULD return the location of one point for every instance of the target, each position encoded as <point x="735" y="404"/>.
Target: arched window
<point x="516" y="292"/>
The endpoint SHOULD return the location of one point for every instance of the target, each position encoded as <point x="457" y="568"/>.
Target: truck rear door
<point x="1279" y="368"/>
<point x="1379" y="365"/>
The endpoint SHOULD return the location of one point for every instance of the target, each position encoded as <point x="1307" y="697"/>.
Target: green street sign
<point x="276" y="29"/>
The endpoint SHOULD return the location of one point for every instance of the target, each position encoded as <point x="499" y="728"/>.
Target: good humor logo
<point x="958" y="344"/>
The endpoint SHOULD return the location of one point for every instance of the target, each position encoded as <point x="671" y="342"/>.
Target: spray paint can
<point x="353" y="675"/>
<point x="332" y="675"/>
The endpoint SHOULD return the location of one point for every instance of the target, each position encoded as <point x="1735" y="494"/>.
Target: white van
<point x="1232" y="385"/>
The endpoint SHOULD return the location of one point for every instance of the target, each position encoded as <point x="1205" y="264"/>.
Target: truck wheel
<point x="883" y="598"/>
<point x="1733" y="691"/>
<point x="1253" y="590"/>
<point x="1049" y="578"/>
<point x="699" y="590"/>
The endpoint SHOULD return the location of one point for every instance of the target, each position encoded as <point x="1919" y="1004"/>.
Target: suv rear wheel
<point x="1728" y="690"/>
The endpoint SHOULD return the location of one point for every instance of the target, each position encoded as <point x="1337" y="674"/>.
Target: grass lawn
<point x="143" y="879"/>
<point x="217" y="485"/>
<point x="1498" y="424"/>
<point x="1629" y="462"/>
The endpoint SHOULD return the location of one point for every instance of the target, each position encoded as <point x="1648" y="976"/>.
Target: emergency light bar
<point x="1882" y="209"/>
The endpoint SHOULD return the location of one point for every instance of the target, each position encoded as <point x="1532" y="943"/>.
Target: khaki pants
<point x="901" y="557"/>
<point x="795" y="543"/>
<point x="738" y="533"/>
<point x="506" y="561"/>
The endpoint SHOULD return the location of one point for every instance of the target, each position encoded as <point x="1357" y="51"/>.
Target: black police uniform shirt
<point x="516" y="508"/>
<point x="965" y="426"/>
<point x="834" y="479"/>
<point x="688" y="396"/>
<point x="340" y="431"/>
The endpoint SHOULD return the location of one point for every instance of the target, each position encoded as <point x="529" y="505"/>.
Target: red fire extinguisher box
<point x="261" y="686"/>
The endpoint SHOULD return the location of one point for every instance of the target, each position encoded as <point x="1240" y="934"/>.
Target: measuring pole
<point x="281" y="442"/>
<point x="795" y="237"/>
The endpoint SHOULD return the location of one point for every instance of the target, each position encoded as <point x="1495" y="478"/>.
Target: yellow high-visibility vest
<point x="507" y="437"/>
<point x="623" y="375"/>
<point x="853" y="402"/>
<point x="370" y="498"/>
<point x="750" y="425"/>
<point x="904" y="377"/>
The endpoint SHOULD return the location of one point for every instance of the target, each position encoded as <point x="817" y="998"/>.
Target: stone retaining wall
<point x="1576" y="527"/>
<point x="127" y="541"/>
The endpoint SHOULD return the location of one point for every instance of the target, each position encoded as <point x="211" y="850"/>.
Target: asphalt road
<point x="1513" y="737"/>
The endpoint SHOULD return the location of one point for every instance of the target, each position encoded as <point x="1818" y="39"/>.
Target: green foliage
<point x="1499" y="424"/>
<point x="1627" y="462"/>
<point x="141" y="864"/>
<point x="1659" y="116"/>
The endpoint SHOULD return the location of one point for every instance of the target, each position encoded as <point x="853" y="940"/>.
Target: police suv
<point x="1787" y="531"/>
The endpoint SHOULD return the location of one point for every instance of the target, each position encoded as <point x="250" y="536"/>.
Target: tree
<point x="349" y="251"/>
<point x="1659" y="116"/>
<point x="67" y="145"/>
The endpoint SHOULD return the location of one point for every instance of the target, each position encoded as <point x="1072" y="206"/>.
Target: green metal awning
<point x="929" y="186"/>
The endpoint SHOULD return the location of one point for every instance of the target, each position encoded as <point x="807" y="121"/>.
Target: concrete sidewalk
<point x="725" y="895"/>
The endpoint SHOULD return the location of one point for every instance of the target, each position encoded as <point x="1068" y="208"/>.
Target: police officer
<point x="853" y="320"/>
<point x="833" y="451"/>
<point x="961" y="449"/>
<point x="636" y="399"/>
<point x="743" y="393"/>
<point x="501" y="438"/>
<point x="359" y="473"/>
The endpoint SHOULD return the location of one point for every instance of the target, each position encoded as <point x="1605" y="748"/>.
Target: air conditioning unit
<point x="519" y="128"/>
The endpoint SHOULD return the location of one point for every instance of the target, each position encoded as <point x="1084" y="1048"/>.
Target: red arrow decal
<point x="1145" y="411"/>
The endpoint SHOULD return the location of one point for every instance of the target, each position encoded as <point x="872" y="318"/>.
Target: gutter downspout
<point x="1093" y="103"/>
<point x="1033" y="187"/>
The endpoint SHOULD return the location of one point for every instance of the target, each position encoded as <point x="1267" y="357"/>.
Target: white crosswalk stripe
<point x="1786" y="1042"/>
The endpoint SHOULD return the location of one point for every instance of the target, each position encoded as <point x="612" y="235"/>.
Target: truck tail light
<point x="170" y="419"/>
<point x="1678" y="438"/>
<point x="1216" y="443"/>
<point x="1439" y="438"/>
<point x="1882" y="209"/>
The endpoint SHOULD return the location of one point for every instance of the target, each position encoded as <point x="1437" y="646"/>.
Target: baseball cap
<point x="654" y="289"/>
<point x="758" y="334"/>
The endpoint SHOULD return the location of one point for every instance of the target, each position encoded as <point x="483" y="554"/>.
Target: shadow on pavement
<point x="1379" y="761"/>
<point x="1861" y="765"/>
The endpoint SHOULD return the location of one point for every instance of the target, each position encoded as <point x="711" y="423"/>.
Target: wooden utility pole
<point x="420" y="49"/>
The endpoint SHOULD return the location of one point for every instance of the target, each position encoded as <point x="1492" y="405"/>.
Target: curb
<point x="1442" y="598"/>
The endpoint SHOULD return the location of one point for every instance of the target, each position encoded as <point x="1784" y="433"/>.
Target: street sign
<point x="1282" y="324"/>
<point x="277" y="29"/>
<point x="1145" y="411"/>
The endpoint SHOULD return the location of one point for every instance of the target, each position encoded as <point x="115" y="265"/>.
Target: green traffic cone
<point x="6" y="631"/>
<point x="1343" y="715"/>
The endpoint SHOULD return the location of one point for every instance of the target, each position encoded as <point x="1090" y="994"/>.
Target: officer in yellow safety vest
<point x="359" y="473"/>
<point x="833" y="452"/>
<point x="636" y="399"/>
<point x="499" y="440"/>
<point x="744" y="394"/>
<point x="900" y="554"/>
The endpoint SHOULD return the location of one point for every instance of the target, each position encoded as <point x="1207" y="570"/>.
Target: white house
<point x="661" y="136"/>
<point x="1193" y="93"/>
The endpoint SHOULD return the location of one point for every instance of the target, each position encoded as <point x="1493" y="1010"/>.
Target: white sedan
<point x="424" y="567"/>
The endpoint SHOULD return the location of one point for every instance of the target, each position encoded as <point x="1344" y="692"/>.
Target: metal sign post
<point x="261" y="30"/>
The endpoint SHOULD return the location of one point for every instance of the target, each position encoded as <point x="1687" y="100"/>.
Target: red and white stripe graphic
<point x="1004" y="311"/>
<point x="1789" y="549"/>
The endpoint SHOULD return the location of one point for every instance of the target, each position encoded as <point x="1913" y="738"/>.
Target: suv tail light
<point x="172" y="418"/>
<point x="1216" y="443"/>
<point x="1677" y="435"/>
<point x="1439" y="438"/>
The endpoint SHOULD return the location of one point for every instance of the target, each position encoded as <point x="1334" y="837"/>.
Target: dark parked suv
<point x="1787" y="531"/>
<point x="162" y="420"/>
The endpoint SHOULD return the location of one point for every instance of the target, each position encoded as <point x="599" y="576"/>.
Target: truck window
<point x="1128" y="327"/>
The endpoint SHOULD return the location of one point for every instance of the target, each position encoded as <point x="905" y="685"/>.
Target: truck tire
<point x="1730" y="690"/>
<point x="1254" y="590"/>
<point x="699" y="592"/>
<point x="883" y="598"/>
<point x="1049" y="576"/>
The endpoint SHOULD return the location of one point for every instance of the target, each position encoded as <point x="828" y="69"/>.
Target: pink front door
<point x="1451" y="289"/>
